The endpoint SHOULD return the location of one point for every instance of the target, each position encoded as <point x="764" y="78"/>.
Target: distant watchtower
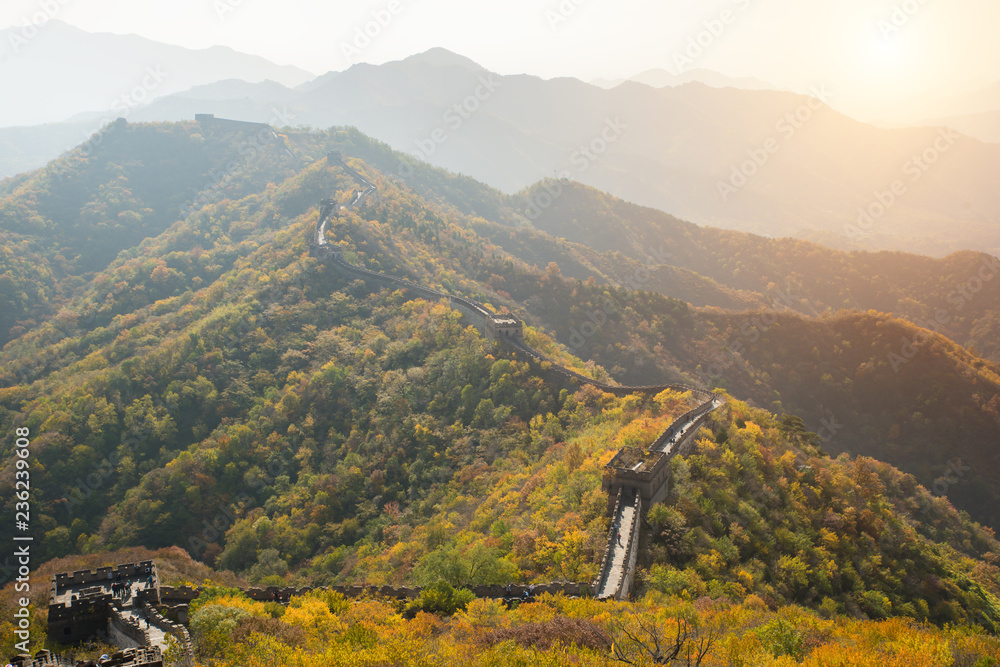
<point x="500" y="328"/>
<point x="326" y="252"/>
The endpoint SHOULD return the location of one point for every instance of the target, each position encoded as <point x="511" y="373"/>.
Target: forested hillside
<point x="215" y="388"/>
<point x="956" y="295"/>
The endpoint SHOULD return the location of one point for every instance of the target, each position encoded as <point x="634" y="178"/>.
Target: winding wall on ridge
<point x="633" y="487"/>
<point x="643" y="483"/>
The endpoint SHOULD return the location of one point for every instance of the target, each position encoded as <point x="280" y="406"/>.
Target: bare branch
<point x="638" y="637"/>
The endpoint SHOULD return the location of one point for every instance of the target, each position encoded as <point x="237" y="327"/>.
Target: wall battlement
<point x="82" y="604"/>
<point x="82" y="577"/>
<point x="133" y="657"/>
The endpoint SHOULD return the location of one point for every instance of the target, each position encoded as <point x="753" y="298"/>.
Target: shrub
<point x="560" y="630"/>
<point x="875" y="604"/>
<point x="668" y="580"/>
<point x="272" y="627"/>
<point x="210" y="593"/>
<point x="441" y="598"/>
<point x="274" y="609"/>
<point x="779" y="637"/>
<point x="213" y="626"/>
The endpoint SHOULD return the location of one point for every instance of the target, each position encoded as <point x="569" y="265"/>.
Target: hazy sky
<point x="871" y="54"/>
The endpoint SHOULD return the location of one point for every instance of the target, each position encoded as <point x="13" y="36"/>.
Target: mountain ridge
<point x="346" y="432"/>
<point x="685" y="347"/>
<point x="682" y="150"/>
<point x="661" y="78"/>
<point x="124" y="61"/>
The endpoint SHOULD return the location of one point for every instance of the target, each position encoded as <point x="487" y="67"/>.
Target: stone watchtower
<point x="326" y="252"/>
<point x="500" y="327"/>
<point x="81" y="603"/>
<point x="640" y="470"/>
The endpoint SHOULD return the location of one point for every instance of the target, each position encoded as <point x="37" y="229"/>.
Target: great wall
<point x="82" y="605"/>
<point x="635" y="478"/>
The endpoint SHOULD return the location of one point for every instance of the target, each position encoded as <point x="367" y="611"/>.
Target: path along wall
<point x="628" y="572"/>
<point x="125" y="632"/>
<point x="176" y="629"/>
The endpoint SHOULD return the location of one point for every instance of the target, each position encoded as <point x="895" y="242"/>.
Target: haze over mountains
<point x="108" y="73"/>
<point x="434" y="334"/>
<point x="661" y="78"/>
<point x="769" y="162"/>
<point x="977" y="101"/>
<point x="984" y="125"/>
<point x="685" y="150"/>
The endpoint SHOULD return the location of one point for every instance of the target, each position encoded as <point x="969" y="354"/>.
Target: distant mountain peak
<point x="441" y="57"/>
<point x="661" y="78"/>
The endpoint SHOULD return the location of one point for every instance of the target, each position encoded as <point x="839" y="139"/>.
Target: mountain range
<point x="984" y="125"/>
<point x="883" y="346"/>
<point x="121" y="72"/>
<point x="195" y="379"/>
<point x="980" y="100"/>
<point x="661" y="78"/>
<point x="409" y="345"/>
<point x="764" y="161"/>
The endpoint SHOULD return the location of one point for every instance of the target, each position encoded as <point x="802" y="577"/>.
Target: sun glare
<point x="880" y="62"/>
<point x="880" y="55"/>
<point x="884" y="55"/>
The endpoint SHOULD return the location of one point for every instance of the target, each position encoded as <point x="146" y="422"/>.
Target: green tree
<point x="212" y="627"/>
<point x="441" y="598"/>
<point x="474" y="566"/>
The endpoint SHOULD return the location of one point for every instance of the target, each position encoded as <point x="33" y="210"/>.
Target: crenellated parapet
<point x="168" y="627"/>
<point x="132" y="657"/>
<point x="125" y="631"/>
<point x="86" y="604"/>
<point x="64" y="581"/>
